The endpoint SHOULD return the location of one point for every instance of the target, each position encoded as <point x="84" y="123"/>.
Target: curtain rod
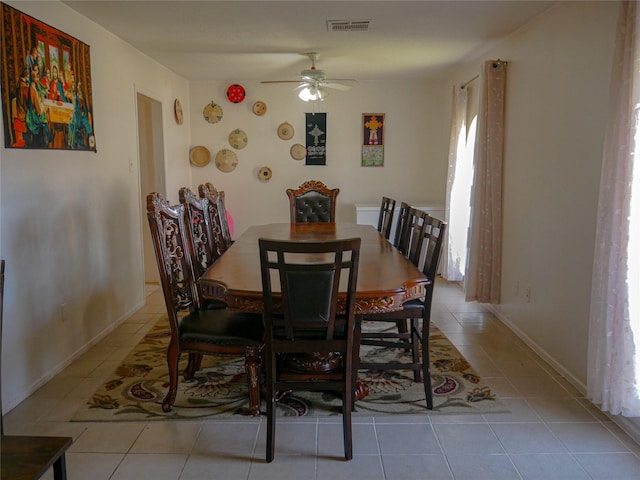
<point x="495" y="64"/>
<point x="464" y="85"/>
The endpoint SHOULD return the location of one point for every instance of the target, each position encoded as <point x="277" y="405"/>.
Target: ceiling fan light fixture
<point x="312" y="93"/>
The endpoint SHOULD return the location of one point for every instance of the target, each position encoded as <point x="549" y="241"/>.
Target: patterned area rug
<point x="134" y="392"/>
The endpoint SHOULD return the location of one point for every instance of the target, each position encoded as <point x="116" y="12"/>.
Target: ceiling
<point x="266" y="40"/>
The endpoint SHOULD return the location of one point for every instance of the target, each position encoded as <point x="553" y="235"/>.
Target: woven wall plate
<point x="298" y="151"/>
<point x="264" y="174"/>
<point x="285" y="131"/>
<point x="259" y="108"/>
<point x="199" y="156"/>
<point x="238" y="139"/>
<point x="177" y="111"/>
<point x="235" y="93"/>
<point x="212" y="112"/>
<point x="226" y="160"/>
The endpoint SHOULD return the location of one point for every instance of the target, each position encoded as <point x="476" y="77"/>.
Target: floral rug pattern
<point x="135" y="391"/>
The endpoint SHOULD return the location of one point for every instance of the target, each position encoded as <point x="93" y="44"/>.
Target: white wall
<point x="70" y="220"/>
<point x="415" y="165"/>
<point x="556" y="101"/>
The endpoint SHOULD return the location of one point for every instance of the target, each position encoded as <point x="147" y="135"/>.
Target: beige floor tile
<point x="407" y="439"/>
<point x="538" y="386"/>
<point x="527" y="438"/>
<point x="561" y="409"/>
<point x="167" y="437"/>
<point x="331" y="444"/>
<point x="520" y="411"/>
<point x="300" y="467"/>
<point x="410" y="467"/>
<point x="587" y="438"/>
<point x="361" y="467"/>
<point x="59" y="387"/>
<point x="608" y="466"/>
<point x="562" y="466"/>
<point x="292" y="438"/>
<point x="486" y="467"/>
<point x="96" y="466"/>
<point x="227" y="437"/>
<point x="457" y="418"/>
<point x="223" y="466"/>
<point x="468" y="438"/>
<point x="502" y="387"/>
<point x="107" y="437"/>
<point x="150" y="466"/>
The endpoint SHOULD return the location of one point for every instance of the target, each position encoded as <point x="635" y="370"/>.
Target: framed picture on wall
<point x="373" y="139"/>
<point x="316" y="137"/>
<point x="46" y="86"/>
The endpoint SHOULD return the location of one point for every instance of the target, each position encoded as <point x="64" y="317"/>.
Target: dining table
<point x="386" y="278"/>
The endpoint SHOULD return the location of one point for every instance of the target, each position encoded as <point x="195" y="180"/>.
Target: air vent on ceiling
<point x="348" y="25"/>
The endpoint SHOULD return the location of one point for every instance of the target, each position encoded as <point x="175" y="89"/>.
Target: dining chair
<point x="206" y="250"/>
<point x="312" y="202"/>
<point x="199" y="220"/>
<point x="218" y="213"/>
<point x="417" y="340"/>
<point x="308" y="317"/>
<point x="385" y="218"/>
<point x="194" y="329"/>
<point x="28" y="456"/>
<point x="398" y="237"/>
<point x="414" y="233"/>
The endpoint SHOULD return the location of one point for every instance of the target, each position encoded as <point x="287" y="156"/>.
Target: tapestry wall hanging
<point x="373" y="139"/>
<point x="316" y="133"/>
<point x="47" y="99"/>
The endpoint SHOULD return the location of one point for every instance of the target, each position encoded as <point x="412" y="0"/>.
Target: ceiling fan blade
<point x="280" y="81"/>
<point x="336" y="85"/>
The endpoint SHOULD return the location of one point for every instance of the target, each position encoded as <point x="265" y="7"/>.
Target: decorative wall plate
<point x="199" y="156"/>
<point x="259" y="108"/>
<point x="285" y="131"/>
<point x="235" y="93"/>
<point x="298" y="151"/>
<point x="264" y="174"/>
<point x="226" y="160"/>
<point x="212" y="112"/>
<point x="238" y="139"/>
<point x="177" y="111"/>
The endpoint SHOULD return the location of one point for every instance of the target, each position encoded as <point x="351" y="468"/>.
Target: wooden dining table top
<point x="386" y="279"/>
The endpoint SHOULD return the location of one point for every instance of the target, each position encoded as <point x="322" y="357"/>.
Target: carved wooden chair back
<point x="385" y="219"/>
<point x="312" y="202"/>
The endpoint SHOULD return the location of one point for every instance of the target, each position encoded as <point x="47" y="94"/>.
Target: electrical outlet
<point x="527" y="294"/>
<point x="63" y="312"/>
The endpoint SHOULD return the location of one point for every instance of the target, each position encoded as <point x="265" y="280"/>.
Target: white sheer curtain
<point x="482" y="281"/>
<point x="614" y="331"/>
<point x="456" y="241"/>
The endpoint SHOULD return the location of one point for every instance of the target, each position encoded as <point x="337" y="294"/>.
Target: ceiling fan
<point x="313" y="83"/>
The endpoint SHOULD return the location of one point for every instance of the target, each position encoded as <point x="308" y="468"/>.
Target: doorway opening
<point x="152" y="176"/>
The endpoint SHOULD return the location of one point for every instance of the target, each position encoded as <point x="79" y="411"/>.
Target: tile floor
<point x="551" y="433"/>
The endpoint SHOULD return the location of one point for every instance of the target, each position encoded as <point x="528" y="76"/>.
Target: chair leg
<point x="60" y="468"/>
<point x="426" y="365"/>
<point x="252" y="368"/>
<point x="415" y="349"/>
<point x="271" y="407"/>
<point x="193" y="365"/>
<point x="347" y="407"/>
<point x="355" y="361"/>
<point x="173" y="357"/>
